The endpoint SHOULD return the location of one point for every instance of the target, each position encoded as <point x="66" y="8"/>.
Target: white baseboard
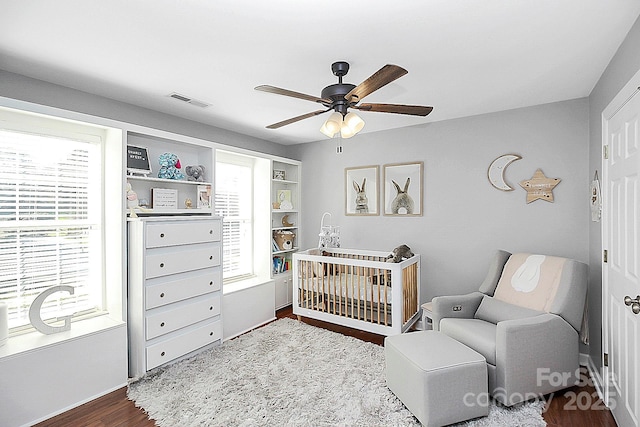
<point x="249" y="329"/>
<point x="594" y="373"/>
<point x="75" y="405"/>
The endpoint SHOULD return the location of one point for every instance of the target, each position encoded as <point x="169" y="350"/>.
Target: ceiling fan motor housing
<point x="336" y="94"/>
<point x="337" y="91"/>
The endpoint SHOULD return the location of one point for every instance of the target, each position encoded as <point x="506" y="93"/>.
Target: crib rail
<point x="354" y="291"/>
<point x="409" y="292"/>
<point x="358" y="286"/>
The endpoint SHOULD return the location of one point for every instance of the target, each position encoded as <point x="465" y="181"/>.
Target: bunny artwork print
<point x="402" y="203"/>
<point x="362" y="203"/>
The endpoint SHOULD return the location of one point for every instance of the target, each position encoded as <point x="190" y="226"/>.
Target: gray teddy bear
<point x="195" y="173"/>
<point x="400" y="253"/>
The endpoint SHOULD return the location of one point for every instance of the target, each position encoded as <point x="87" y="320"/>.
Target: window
<point x="234" y="202"/>
<point x="51" y="194"/>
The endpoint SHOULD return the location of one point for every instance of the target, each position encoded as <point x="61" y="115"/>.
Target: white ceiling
<point x="464" y="57"/>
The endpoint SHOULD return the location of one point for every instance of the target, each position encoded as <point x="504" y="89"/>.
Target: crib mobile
<point x="329" y="234"/>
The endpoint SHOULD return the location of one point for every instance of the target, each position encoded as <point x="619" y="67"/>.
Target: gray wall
<point x="622" y="67"/>
<point x="23" y="88"/>
<point x="465" y="218"/>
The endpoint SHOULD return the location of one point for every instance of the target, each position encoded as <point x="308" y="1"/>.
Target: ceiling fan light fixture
<point x="332" y="125"/>
<point x="326" y="131"/>
<point x="345" y="133"/>
<point x="353" y="122"/>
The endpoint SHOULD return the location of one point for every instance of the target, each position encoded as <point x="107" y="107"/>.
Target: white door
<point x="621" y="239"/>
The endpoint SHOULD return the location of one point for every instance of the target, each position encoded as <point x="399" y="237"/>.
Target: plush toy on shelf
<point x="170" y="167"/>
<point x="132" y="202"/>
<point x="284" y="239"/>
<point x="195" y="173"/>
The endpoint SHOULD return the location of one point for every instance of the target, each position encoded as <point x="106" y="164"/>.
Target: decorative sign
<point x="539" y="187"/>
<point x="204" y="196"/>
<point x="284" y="199"/>
<point x="164" y="198"/>
<point x="497" y="169"/>
<point x="596" y="199"/>
<point x="279" y="174"/>
<point x="34" y="311"/>
<point x="138" y="160"/>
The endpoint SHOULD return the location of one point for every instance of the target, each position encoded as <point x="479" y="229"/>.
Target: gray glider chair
<point x="525" y="320"/>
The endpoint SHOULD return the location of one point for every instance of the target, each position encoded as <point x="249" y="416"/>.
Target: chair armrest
<point x="534" y="354"/>
<point x="459" y="306"/>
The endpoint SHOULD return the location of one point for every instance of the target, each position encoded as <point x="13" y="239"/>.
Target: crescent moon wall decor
<point x="495" y="173"/>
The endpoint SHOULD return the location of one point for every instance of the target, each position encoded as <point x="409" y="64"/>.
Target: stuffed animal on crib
<point x="195" y="173"/>
<point x="169" y="167"/>
<point x="400" y="253"/>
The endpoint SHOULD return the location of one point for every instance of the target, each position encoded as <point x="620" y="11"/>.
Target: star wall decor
<point x="539" y="187"/>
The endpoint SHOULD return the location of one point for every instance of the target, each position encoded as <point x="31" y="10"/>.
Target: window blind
<point x="233" y="201"/>
<point x="50" y="224"/>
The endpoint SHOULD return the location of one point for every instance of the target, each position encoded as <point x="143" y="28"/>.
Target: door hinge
<point x="605" y="256"/>
<point x="605" y="151"/>
<point x="605" y="359"/>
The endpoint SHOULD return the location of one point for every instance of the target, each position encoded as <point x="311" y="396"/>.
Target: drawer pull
<point x="162" y="295"/>
<point x="162" y="354"/>
<point x="210" y="257"/>
<point x="162" y="325"/>
<point x="211" y="283"/>
<point x="210" y="334"/>
<point x="161" y="264"/>
<point x="161" y="234"/>
<point x="210" y="231"/>
<point x="210" y="308"/>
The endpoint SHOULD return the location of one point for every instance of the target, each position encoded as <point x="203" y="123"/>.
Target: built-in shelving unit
<point x="189" y="155"/>
<point x="174" y="292"/>
<point x="285" y="220"/>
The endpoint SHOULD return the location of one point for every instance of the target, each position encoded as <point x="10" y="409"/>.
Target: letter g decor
<point x="34" y="312"/>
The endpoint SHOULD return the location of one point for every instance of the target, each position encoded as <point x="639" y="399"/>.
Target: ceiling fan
<point x="342" y="96"/>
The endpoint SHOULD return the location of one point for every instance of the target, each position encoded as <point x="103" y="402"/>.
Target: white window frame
<point x="37" y="124"/>
<point x="249" y="162"/>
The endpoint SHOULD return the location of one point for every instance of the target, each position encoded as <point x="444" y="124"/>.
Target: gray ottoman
<point x="440" y="380"/>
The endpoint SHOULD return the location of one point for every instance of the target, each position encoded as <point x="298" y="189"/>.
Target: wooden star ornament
<point x="539" y="187"/>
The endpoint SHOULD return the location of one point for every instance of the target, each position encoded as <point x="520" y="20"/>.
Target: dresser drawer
<point x="189" y="286"/>
<point x="186" y="314"/>
<point x="172" y="262"/>
<point x="178" y="346"/>
<point x="183" y="232"/>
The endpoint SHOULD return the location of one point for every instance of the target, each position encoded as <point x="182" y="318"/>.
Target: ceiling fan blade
<point x="414" y="110"/>
<point x="286" y="92"/>
<point x="380" y="78"/>
<point x="296" y="119"/>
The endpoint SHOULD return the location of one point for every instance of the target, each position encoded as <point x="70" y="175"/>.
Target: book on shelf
<point x="281" y="264"/>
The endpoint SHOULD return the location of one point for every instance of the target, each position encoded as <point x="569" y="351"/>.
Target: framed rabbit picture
<point x="403" y="189"/>
<point x="361" y="190"/>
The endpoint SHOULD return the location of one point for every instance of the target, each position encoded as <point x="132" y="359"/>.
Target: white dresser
<point x="175" y="289"/>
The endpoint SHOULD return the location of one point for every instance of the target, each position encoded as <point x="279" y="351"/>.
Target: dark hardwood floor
<point x="578" y="406"/>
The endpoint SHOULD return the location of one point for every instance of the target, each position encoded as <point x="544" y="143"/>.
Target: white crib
<point x="357" y="288"/>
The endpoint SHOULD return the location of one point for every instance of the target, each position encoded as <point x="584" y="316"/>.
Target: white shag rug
<point x="288" y="373"/>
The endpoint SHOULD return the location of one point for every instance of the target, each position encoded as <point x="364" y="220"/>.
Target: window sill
<point x="33" y="341"/>
<point x="241" y="285"/>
